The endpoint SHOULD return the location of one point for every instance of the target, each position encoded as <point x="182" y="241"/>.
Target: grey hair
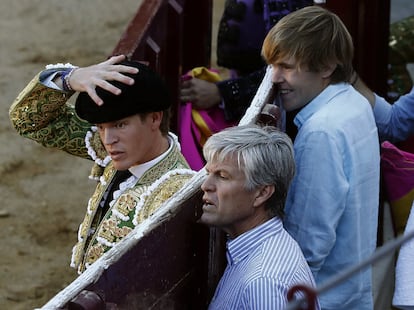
<point x="265" y="154"/>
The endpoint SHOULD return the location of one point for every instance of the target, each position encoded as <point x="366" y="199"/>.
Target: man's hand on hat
<point x="86" y="79"/>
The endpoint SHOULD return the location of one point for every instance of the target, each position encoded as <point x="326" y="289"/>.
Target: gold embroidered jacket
<point x="42" y="114"/>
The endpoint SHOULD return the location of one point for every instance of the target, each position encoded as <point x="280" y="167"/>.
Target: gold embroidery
<point x="97" y="146"/>
<point x="112" y="232"/>
<point x="125" y="204"/>
<point x="173" y="160"/>
<point x="95" y="252"/>
<point x="107" y="229"/>
<point x="162" y="193"/>
<point x="41" y="114"/>
<point x="113" y="229"/>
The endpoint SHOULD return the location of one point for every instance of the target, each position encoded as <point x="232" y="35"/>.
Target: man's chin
<point x="205" y="220"/>
<point x="201" y="220"/>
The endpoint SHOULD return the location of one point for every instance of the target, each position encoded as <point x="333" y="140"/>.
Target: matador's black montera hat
<point x="148" y="94"/>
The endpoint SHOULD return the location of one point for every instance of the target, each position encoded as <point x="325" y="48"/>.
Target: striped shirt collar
<point x="239" y="248"/>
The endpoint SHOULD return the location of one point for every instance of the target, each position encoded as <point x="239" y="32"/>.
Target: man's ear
<point x="156" y="118"/>
<point x="263" y="194"/>
<point x="329" y="70"/>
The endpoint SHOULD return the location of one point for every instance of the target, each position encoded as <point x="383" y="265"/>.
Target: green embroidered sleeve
<point x="42" y="114"/>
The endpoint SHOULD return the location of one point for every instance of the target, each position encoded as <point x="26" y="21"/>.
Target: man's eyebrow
<point x="284" y="63"/>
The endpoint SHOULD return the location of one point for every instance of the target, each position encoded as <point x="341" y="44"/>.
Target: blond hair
<point x="315" y="38"/>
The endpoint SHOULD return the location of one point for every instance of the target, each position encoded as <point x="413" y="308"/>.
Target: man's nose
<point x="108" y="136"/>
<point x="206" y="185"/>
<point x="277" y="76"/>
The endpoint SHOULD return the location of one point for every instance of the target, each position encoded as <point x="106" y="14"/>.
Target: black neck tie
<point x="119" y="177"/>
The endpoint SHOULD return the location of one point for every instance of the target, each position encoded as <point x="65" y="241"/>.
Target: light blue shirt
<point x="395" y="122"/>
<point x="332" y="205"/>
<point x="262" y="265"/>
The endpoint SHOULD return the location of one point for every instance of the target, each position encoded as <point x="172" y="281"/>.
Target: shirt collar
<point x="318" y="102"/>
<point x="239" y="248"/>
<point x="139" y="170"/>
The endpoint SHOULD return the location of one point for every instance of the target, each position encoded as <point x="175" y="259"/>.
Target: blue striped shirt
<point x="262" y="265"/>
